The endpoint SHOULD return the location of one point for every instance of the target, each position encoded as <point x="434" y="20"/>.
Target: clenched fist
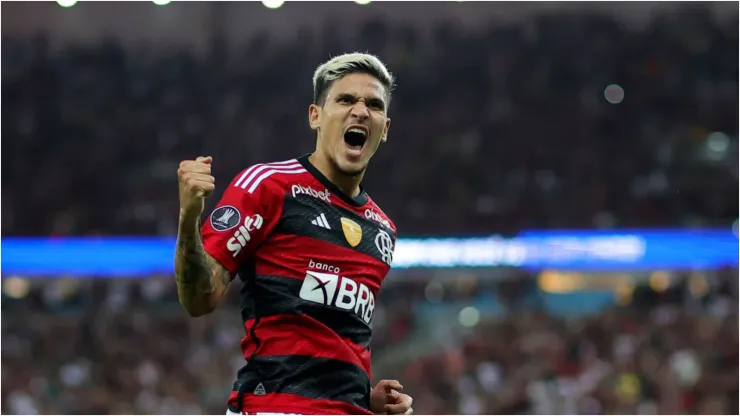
<point x="386" y="399"/>
<point x="196" y="183"/>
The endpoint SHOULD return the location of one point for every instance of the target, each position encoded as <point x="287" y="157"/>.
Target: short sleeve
<point x="240" y="222"/>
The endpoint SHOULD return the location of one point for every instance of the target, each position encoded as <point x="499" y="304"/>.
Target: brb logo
<point x="241" y="236"/>
<point x="341" y="292"/>
<point x="307" y="190"/>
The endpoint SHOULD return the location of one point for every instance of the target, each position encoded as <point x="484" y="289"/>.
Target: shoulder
<point x="373" y="212"/>
<point x="269" y="178"/>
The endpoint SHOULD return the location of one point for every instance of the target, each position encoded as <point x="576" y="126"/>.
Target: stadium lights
<point x="469" y="317"/>
<point x="362" y="2"/>
<point x="272" y="4"/>
<point x="161" y="2"/>
<point x="66" y="3"/>
<point x="614" y="94"/>
<point x="16" y="287"/>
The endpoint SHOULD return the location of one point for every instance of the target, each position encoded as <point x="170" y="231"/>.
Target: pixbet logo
<point x="372" y="215"/>
<point x="340" y="292"/>
<point x="241" y="236"/>
<point x="307" y="190"/>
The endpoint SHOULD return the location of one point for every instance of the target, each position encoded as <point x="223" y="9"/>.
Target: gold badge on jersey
<point x="352" y="231"/>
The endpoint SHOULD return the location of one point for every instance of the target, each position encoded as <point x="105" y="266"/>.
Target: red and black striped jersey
<point x="311" y="260"/>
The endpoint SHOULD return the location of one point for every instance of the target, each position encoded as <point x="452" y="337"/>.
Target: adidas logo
<point x="321" y="221"/>
<point x="259" y="390"/>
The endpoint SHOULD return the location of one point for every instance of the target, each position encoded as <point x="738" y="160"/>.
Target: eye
<point x="375" y="105"/>
<point x="345" y="99"/>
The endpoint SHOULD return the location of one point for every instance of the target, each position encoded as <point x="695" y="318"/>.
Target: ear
<point x="314" y="116"/>
<point x="384" y="138"/>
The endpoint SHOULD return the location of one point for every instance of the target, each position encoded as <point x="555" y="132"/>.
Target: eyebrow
<point x="368" y="100"/>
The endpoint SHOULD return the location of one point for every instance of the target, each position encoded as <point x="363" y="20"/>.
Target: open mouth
<point x="354" y="139"/>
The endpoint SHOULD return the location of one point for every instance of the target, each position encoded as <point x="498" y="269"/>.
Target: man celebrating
<point x="311" y="249"/>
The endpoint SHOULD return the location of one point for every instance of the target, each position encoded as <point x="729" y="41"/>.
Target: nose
<point x="360" y="110"/>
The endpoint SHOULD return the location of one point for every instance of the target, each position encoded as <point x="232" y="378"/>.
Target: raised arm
<point x="209" y="256"/>
<point x="201" y="279"/>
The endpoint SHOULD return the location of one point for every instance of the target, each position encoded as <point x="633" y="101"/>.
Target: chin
<point x="353" y="172"/>
<point x="351" y="168"/>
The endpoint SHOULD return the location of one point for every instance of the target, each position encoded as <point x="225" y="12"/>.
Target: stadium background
<point x="596" y="141"/>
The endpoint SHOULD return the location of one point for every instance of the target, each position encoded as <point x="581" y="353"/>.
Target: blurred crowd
<point x="662" y="354"/>
<point x="125" y="346"/>
<point x="559" y="121"/>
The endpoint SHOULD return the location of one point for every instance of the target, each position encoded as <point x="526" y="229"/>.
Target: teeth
<point x="356" y="130"/>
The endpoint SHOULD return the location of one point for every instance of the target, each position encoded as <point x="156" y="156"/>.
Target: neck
<point x="349" y="185"/>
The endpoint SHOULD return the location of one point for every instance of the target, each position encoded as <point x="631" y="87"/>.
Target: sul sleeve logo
<point x="242" y="235"/>
<point x="225" y="218"/>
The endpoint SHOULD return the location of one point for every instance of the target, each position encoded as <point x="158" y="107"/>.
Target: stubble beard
<point x="349" y="173"/>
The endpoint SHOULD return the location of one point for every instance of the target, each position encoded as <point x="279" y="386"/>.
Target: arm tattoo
<point x="200" y="278"/>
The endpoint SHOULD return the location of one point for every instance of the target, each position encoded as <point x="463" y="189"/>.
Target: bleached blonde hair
<point x="350" y="63"/>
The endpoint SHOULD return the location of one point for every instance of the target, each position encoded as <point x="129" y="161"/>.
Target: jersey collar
<point x="358" y="201"/>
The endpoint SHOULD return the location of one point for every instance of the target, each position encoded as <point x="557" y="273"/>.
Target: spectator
<point x="511" y="129"/>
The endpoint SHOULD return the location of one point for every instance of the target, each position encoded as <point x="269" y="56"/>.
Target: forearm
<point x="200" y="279"/>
